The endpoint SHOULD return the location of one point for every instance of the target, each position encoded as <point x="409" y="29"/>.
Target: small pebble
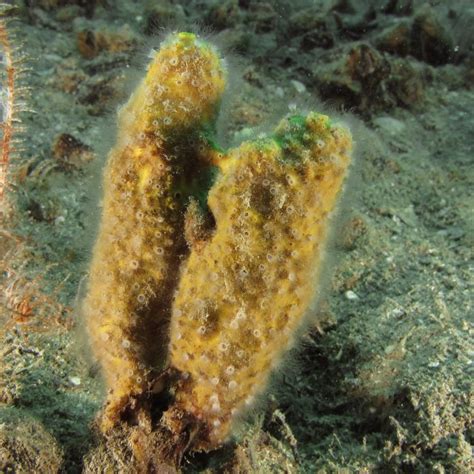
<point x="397" y="313"/>
<point x="299" y="86"/>
<point x="390" y="125"/>
<point x="75" y="381"/>
<point x="279" y="92"/>
<point x="351" y="296"/>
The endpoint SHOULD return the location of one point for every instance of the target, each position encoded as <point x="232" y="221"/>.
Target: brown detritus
<point x="352" y="231"/>
<point x="69" y="77"/>
<point x="198" y="226"/>
<point x="261" y="452"/>
<point x="369" y="68"/>
<point x="87" y="44"/>
<point x="248" y="115"/>
<point x="324" y="319"/>
<point x="99" y="91"/>
<point x="253" y="76"/>
<point x="91" y="43"/>
<point x="351" y="281"/>
<point x="22" y="301"/>
<point x="70" y="153"/>
<point x="112" y="454"/>
<point x="392" y="166"/>
<point x="363" y="78"/>
<point x="151" y="435"/>
<point x="138" y="450"/>
<point x="177" y="430"/>
<point x="26" y="446"/>
<point x="353" y="77"/>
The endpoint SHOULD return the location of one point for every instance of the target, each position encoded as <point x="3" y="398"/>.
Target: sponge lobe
<point x="147" y="184"/>
<point x="242" y="297"/>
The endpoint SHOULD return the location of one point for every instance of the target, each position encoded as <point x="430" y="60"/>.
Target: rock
<point x="359" y="76"/>
<point x="161" y="15"/>
<point x="70" y="153"/>
<point x="88" y="6"/>
<point x="365" y="70"/>
<point x="469" y="74"/>
<point x="68" y="14"/>
<point x="69" y="76"/>
<point x="318" y="38"/>
<point x="266" y="451"/>
<point x="92" y="42"/>
<point x="305" y="20"/>
<point x="431" y="42"/>
<point x="408" y="216"/>
<point x="98" y="91"/>
<point x="395" y="39"/>
<point x="405" y="84"/>
<point x="424" y="37"/>
<point x="343" y="6"/>
<point x="389" y="125"/>
<point x="26" y="446"/>
<point x="314" y="29"/>
<point x="234" y="39"/>
<point x="398" y="7"/>
<point x="264" y="17"/>
<point x="224" y="15"/>
<point x="358" y="25"/>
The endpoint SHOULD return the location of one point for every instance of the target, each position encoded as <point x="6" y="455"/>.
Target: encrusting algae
<point x="206" y="260"/>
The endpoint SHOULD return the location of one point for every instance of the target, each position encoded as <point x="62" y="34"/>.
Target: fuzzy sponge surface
<point x="150" y="175"/>
<point x="242" y="297"/>
<point x="206" y="261"/>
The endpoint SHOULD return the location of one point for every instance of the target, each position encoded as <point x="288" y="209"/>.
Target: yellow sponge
<point x="153" y="170"/>
<point x="206" y="261"/>
<point x="243" y="295"/>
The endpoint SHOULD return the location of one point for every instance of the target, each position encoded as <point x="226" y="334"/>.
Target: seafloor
<point x="382" y="381"/>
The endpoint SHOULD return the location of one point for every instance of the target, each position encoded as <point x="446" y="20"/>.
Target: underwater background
<point x="382" y="380"/>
